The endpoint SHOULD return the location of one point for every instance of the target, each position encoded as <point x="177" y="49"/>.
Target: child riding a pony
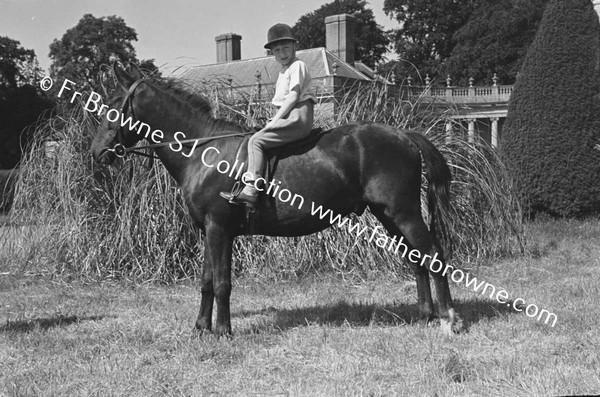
<point x="293" y="121"/>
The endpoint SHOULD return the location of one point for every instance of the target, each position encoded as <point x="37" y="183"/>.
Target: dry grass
<point x="129" y="222"/>
<point x="7" y="185"/>
<point x="318" y="336"/>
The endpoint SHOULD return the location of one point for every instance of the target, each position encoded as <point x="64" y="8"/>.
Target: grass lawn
<point x="321" y="336"/>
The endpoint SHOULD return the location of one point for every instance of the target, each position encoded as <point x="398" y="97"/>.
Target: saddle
<point x="314" y="135"/>
<point x="272" y="159"/>
<point x="273" y="155"/>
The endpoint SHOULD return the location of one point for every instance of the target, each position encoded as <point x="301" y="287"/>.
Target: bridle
<point x="120" y="150"/>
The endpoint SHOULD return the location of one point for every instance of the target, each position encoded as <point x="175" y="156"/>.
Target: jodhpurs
<point x="295" y="126"/>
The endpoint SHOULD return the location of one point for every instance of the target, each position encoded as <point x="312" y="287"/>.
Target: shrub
<point x="553" y="119"/>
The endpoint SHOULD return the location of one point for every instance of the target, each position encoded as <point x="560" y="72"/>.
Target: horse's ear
<point x="125" y="80"/>
<point x="136" y="72"/>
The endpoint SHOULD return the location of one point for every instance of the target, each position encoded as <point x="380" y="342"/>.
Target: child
<point x="294" y="117"/>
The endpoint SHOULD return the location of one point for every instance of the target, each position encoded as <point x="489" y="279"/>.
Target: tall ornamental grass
<point x="130" y="221"/>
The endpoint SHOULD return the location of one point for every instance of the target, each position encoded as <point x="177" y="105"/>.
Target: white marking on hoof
<point x="452" y="325"/>
<point x="446" y="327"/>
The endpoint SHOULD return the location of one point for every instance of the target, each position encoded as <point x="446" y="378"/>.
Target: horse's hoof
<point x="452" y="325"/>
<point x="223" y="332"/>
<point x="426" y="319"/>
<point x="199" y="332"/>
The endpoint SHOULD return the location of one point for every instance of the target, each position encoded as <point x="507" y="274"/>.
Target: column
<point x="257" y="75"/>
<point x="448" y="130"/>
<point x="471" y="130"/>
<point x="494" y="132"/>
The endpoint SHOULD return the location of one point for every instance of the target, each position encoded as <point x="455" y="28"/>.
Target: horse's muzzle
<point x="104" y="157"/>
<point x="101" y="146"/>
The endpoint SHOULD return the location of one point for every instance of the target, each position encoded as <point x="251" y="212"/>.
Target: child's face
<point x="284" y="52"/>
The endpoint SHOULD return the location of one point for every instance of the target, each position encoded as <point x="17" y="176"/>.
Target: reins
<point x="121" y="151"/>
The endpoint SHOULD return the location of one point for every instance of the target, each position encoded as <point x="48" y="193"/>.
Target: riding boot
<point x="248" y="196"/>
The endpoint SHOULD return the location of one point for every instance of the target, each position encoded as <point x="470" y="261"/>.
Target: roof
<point x="244" y="72"/>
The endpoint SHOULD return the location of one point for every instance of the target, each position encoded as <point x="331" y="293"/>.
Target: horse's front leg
<point x="219" y="245"/>
<point x="204" y="321"/>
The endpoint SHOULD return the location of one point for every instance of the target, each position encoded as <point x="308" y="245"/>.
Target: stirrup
<point x="237" y="188"/>
<point x="234" y="196"/>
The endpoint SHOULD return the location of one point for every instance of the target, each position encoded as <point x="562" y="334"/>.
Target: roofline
<point x="324" y="50"/>
<point x="342" y="61"/>
<point x="252" y="59"/>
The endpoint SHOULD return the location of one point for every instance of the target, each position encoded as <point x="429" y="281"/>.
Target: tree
<point x="21" y="101"/>
<point x="426" y="36"/>
<point x="553" y="121"/>
<point x="79" y="54"/>
<point x="19" y="108"/>
<point x="494" y="40"/>
<point x="371" y="41"/>
<point x="18" y="66"/>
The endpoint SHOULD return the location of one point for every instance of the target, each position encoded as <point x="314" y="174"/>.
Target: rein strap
<point x="121" y="151"/>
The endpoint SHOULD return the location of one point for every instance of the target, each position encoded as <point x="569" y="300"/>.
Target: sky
<point x="176" y="33"/>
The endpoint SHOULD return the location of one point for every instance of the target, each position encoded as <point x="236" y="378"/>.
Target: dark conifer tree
<point x="551" y="136"/>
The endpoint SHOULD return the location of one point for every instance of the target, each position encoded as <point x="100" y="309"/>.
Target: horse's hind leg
<point x="438" y="272"/>
<point x="410" y="225"/>
<point x="425" y="302"/>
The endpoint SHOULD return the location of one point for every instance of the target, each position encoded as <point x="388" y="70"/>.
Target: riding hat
<point x="279" y="32"/>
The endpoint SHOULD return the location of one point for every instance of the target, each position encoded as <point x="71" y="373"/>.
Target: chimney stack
<point x="228" y="47"/>
<point x="339" y="37"/>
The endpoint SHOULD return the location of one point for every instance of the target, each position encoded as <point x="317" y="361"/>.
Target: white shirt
<point x="296" y="74"/>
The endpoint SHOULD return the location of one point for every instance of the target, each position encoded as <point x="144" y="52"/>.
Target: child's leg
<point x="265" y="140"/>
<point x="295" y="127"/>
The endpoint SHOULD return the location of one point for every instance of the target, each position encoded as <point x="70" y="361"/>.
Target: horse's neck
<point x="168" y="119"/>
<point x="180" y="119"/>
<point x="171" y="116"/>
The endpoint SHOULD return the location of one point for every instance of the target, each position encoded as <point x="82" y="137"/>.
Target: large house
<point x="335" y="69"/>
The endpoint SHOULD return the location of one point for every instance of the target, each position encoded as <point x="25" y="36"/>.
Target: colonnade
<point x="471" y="132"/>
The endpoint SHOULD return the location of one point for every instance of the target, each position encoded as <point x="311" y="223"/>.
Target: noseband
<point x="120" y="150"/>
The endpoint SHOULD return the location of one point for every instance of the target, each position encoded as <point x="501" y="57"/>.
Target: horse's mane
<point x="183" y="92"/>
<point x="194" y="99"/>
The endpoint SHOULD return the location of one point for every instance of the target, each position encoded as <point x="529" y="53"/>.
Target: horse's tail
<point x="435" y="185"/>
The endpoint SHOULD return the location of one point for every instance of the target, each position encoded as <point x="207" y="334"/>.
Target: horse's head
<point x="111" y="137"/>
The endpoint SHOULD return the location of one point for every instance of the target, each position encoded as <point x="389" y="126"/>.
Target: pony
<point x="345" y="169"/>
